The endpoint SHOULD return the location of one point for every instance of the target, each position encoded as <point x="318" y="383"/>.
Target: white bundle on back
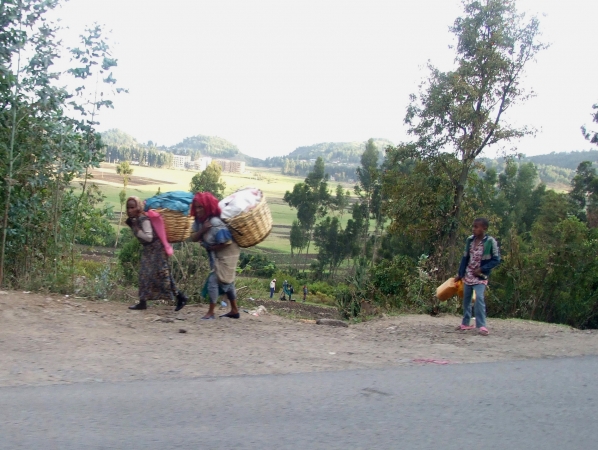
<point x="240" y="202"/>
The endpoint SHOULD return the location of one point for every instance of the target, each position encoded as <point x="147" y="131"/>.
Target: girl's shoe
<point x="465" y="327"/>
<point x="484" y="331"/>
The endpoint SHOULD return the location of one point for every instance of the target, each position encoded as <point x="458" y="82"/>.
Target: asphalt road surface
<point x="537" y="404"/>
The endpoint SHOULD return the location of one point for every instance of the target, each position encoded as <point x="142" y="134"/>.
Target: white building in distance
<point x="180" y="161"/>
<point x="200" y="164"/>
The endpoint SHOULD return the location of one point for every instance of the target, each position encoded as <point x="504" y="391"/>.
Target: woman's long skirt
<point x="155" y="279"/>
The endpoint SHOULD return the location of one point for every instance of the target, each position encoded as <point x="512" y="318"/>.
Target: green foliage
<point x="129" y="258"/>
<point x="584" y="192"/>
<point x="552" y="278"/>
<point x="47" y="139"/>
<point x="190" y="268"/>
<point x="125" y="170"/>
<point x="209" y="181"/>
<point x="348" y="301"/>
<point x="591" y="135"/>
<point x="462" y="111"/>
<point x="311" y="199"/>
<point x="392" y="278"/>
<point x="257" y="265"/>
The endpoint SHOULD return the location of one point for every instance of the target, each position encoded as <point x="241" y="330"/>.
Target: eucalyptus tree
<point x="47" y="135"/>
<point x="209" y="181"/>
<point x="311" y="199"/>
<point x="462" y="111"/>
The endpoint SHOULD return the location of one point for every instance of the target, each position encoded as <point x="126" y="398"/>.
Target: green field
<point x="146" y="181"/>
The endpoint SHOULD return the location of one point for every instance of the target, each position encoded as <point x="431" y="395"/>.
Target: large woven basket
<point x="251" y="228"/>
<point x="177" y="224"/>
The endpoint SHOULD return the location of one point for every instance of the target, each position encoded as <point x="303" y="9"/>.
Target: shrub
<point x="392" y="277"/>
<point x="257" y="265"/>
<point x="129" y="258"/>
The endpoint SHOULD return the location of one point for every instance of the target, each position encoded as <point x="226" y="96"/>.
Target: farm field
<point x="146" y="181"/>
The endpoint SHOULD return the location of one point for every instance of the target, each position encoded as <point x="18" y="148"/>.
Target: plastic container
<point x="447" y="289"/>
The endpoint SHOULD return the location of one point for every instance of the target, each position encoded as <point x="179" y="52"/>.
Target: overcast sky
<point x="272" y="75"/>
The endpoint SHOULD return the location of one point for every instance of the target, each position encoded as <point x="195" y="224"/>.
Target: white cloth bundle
<point x="241" y="201"/>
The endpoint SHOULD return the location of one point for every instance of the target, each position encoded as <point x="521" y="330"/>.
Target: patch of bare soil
<point x="47" y="339"/>
<point x="297" y="310"/>
<point x="101" y="177"/>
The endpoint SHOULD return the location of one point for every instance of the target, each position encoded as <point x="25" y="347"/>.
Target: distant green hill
<point x="567" y="160"/>
<point x="207" y="146"/>
<point x="336" y="152"/>
<point x="118" y="138"/>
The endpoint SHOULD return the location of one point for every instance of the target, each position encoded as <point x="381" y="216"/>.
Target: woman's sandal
<point x="484" y="331"/>
<point x="464" y="327"/>
<point x="207" y="317"/>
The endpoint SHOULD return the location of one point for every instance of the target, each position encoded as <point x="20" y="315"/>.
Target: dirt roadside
<point x="49" y="339"/>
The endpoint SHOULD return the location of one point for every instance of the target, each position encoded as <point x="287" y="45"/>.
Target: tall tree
<point x="340" y="202"/>
<point x="368" y="188"/>
<point x="47" y="135"/>
<point x="462" y="111"/>
<point x="209" y="181"/>
<point x="311" y="199"/>
<point x="584" y="193"/>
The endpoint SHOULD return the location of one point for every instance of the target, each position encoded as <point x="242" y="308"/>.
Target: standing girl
<point x="480" y="257"/>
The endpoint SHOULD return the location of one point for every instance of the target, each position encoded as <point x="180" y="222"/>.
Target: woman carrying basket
<point x="155" y="279"/>
<point x="223" y="252"/>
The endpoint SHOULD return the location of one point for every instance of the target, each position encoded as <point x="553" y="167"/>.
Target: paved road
<point x="539" y="404"/>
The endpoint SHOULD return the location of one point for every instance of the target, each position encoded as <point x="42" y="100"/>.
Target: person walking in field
<point x="480" y="257"/>
<point x="155" y="278"/>
<point x="223" y="253"/>
<point x="272" y="287"/>
<point x="304" y="293"/>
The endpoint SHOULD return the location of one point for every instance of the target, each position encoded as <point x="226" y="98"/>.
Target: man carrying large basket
<point x="223" y="251"/>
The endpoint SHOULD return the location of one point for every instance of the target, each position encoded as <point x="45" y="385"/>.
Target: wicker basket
<point x="251" y="228"/>
<point x="177" y="224"/>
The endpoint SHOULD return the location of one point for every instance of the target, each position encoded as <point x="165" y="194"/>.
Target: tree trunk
<point x="455" y="218"/>
<point x="120" y="221"/>
<point x="5" y="224"/>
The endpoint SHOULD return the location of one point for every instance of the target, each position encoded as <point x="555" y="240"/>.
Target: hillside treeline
<point x="120" y="146"/>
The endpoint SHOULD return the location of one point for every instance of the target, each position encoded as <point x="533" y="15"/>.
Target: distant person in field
<point x="223" y="253"/>
<point x="304" y="293"/>
<point x="155" y="279"/>
<point x="284" y="291"/>
<point x="480" y="257"/>
<point x="291" y="292"/>
<point x="272" y="287"/>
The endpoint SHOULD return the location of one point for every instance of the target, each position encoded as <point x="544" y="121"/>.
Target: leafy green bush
<point x="257" y="265"/>
<point x="348" y="301"/>
<point x="392" y="278"/>
<point x="129" y="258"/>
